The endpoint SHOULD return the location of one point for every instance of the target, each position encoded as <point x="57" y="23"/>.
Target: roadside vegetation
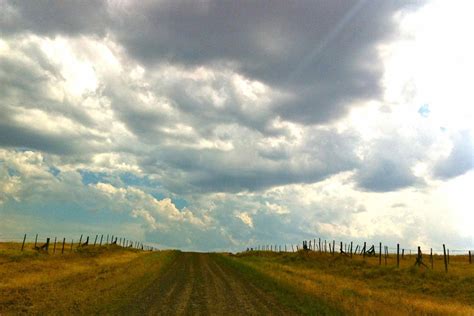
<point x="84" y="281"/>
<point x="360" y="286"/>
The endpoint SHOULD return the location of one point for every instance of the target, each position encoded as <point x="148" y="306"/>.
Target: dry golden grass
<point x="362" y="287"/>
<point x="76" y="282"/>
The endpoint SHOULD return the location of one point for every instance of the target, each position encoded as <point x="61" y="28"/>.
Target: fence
<point x="350" y="250"/>
<point x="58" y="245"/>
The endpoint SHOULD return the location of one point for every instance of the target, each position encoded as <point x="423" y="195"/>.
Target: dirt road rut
<point x="198" y="284"/>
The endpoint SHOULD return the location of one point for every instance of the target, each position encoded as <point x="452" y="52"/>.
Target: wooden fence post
<point x="333" y="247"/>
<point x="319" y="241"/>
<point x="80" y="240"/>
<point x="364" y="249"/>
<point x="403" y="253"/>
<point x="54" y="248"/>
<point x="36" y="240"/>
<point x="292" y="249"/>
<point x="72" y="243"/>
<point x="47" y="244"/>
<point x="445" y="259"/>
<point x="341" y="247"/>
<point x="101" y="236"/>
<point x="431" y="258"/>
<point x="351" y="249"/>
<point x="325" y="246"/>
<point x="380" y="253"/>
<point x="418" y="257"/>
<point x="24" y="239"/>
<point x="398" y="255"/>
<point x="95" y="240"/>
<point x="62" y="250"/>
<point x="470" y="257"/>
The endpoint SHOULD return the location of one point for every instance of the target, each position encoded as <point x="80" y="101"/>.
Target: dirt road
<point x="198" y="284"/>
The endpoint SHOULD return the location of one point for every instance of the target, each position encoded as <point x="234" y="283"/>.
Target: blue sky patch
<point x="424" y="110"/>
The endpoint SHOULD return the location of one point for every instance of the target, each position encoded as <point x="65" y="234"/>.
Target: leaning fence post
<point x="101" y="237"/>
<point x="445" y="259"/>
<point x="398" y="255"/>
<point x="64" y="241"/>
<point x="80" y="240"/>
<point x="95" y="240"/>
<point x="24" y="238"/>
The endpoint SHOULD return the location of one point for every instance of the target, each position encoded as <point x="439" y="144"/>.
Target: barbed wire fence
<point x="53" y="244"/>
<point x="379" y="250"/>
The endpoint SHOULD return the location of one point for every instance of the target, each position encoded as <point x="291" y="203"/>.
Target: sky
<point x="220" y="125"/>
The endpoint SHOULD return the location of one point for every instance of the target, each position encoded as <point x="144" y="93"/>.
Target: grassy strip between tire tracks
<point x="287" y="295"/>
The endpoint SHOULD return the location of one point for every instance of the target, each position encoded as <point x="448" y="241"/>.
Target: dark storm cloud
<point x="50" y="17"/>
<point x="323" y="53"/>
<point x="460" y="159"/>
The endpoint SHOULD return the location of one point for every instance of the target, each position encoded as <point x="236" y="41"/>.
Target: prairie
<point x="360" y="286"/>
<point x="122" y="281"/>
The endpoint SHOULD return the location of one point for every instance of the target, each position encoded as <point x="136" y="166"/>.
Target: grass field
<point x="81" y="282"/>
<point x="114" y="280"/>
<point x="361" y="286"/>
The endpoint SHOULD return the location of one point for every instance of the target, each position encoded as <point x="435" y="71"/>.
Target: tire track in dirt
<point x="197" y="284"/>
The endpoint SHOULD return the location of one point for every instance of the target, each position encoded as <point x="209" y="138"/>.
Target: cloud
<point x="460" y="159"/>
<point x="54" y="18"/>
<point x="217" y="125"/>
<point x="388" y="165"/>
<point x="245" y="218"/>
